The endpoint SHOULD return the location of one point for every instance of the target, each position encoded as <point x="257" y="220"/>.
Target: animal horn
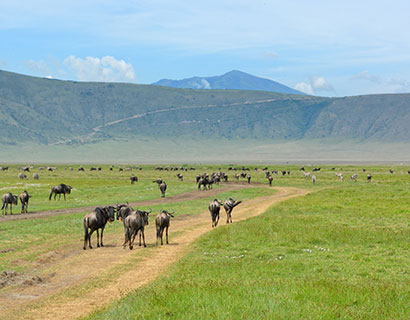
<point x="150" y="210"/>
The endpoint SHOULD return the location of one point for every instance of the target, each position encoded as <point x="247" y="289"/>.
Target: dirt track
<point x="83" y="281"/>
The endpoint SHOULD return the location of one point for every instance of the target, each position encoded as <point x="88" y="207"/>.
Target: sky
<point x="325" y="48"/>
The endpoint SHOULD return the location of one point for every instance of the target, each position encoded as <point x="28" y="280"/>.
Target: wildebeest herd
<point x="134" y="221"/>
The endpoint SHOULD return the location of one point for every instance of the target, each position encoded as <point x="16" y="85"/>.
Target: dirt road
<point x="82" y="281"/>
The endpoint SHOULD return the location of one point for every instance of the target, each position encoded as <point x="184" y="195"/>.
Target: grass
<point x="339" y="253"/>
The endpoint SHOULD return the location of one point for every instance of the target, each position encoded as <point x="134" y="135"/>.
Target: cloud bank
<point x="105" y="69"/>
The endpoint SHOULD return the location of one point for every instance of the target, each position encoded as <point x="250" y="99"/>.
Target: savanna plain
<point x="296" y="250"/>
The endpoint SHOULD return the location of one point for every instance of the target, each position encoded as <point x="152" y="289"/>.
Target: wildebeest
<point x="313" y="179"/>
<point x="133" y="179"/>
<point x="214" y="208"/>
<point x="228" y="206"/>
<point x="163" y="188"/>
<point x="35" y="176"/>
<point x="162" y="223"/>
<point x="270" y="179"/>
<point x="369" y="177"/>
<point x="354" y="177"/>
<point x="8" y="199"/>
<point x="134" y="223"/>
<point x="249" y="178"/>
<point x="81" y="169"/>
<point x="391" y="171"/>
<point x="306" y="174"/>
<point x="24" y="197"/>
<point x="408" y="171"/>
<point x="93" y="169"/>
<point x="4" y="168"/>
<point x="236" y="176"/>
<point x="22" y="176"/>
<point x="60" y="189"/>
<point x="97" y="220"/>
<point x="180" y="177"/>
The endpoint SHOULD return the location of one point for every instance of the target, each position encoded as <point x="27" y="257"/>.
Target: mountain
<point x="235" y="80"/>
<point x="148" y="121"/>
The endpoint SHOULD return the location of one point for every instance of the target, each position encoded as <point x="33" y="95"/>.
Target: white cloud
<point x="304" y="87"/>
<point x="106" y="69"/>
<point x="315" y="84"/>
<point x="320" y="84"/>
<point x="365" y="75"/>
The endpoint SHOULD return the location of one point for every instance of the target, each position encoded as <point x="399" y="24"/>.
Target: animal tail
<point x="158" y="232"/>
<point x="85" y="223"/>
<point x="128" y="234"/>
<point x="51" y="193"/>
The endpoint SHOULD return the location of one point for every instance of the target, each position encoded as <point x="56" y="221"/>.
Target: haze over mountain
<point x="113" y="120"/>
<point x="236" y="80"/>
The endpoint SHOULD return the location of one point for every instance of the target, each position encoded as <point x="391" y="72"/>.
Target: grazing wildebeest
<point x="197" y="178"/>
<point x="283" y="172"/>
<point x="81" y="169"/>
<point x="369" y="177"/>
<point x="4" y="168"/>
<point x="214" y="208"/>
<point x="203" y="182"/>
<point x="60" y="189"/>
<point x="228" y="206"/>
<point x="133" y="179"/>
<point x="163" y="188"/>
<point x="313" y="179"/>
<point x="408" y="171"/>
<point x="93" y="169"/>
<point x="134" y="222"/>
<point x="249" y="178"/>
<point x="316" y="169"/>
<point x="354" y="177"/>
<point x="22" y="176"/>
<point x="8" y="199"/>
<point x="97" y="220"/>
<point x="302" y="168"/>
<point x="364" y="169"/>
<point x="236" y="176"/>
<point x="270" y="179"/>
<point x="24" y="197"/>
<point x="180" y="177"/>
<point x="306" y="174"/>
<point x="27" y="169"/>
<point x="35" y="176"/>
<point x="162" y="223"/>
<point x="391" y="171"/>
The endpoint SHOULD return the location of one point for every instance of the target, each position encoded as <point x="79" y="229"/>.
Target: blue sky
<point x="327" y="48"/>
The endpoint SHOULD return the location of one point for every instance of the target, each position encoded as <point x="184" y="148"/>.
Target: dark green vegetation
<point x="339" y="253"/>
<point x="236" y="80"/>
<point x="150" y="122"/>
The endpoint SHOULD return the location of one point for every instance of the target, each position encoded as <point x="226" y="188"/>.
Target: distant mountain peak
<point x="233" y="80"/>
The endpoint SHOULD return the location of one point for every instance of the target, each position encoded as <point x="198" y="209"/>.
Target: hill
<point x="89" y="116"/>
<point x="236" y="80"/>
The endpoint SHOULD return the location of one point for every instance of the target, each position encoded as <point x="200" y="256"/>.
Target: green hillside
<point x="44" y="112"/>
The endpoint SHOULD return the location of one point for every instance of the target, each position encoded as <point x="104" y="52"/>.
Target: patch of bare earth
<point x="80" y="283"/>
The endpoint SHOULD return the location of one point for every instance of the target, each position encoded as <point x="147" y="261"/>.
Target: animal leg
<point x="143" y="238"/>
<point x="98" y="239"/>
<point x="132" y="240"/>
<point x="102" y="231"/>
<point x="89" y="238"/>
<point x="166" y="233"/>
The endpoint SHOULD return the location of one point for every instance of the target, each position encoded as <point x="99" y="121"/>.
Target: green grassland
<point x="341" y="252"/>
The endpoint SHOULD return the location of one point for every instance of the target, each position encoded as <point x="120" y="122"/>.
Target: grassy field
<point x="340" y="252"/>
